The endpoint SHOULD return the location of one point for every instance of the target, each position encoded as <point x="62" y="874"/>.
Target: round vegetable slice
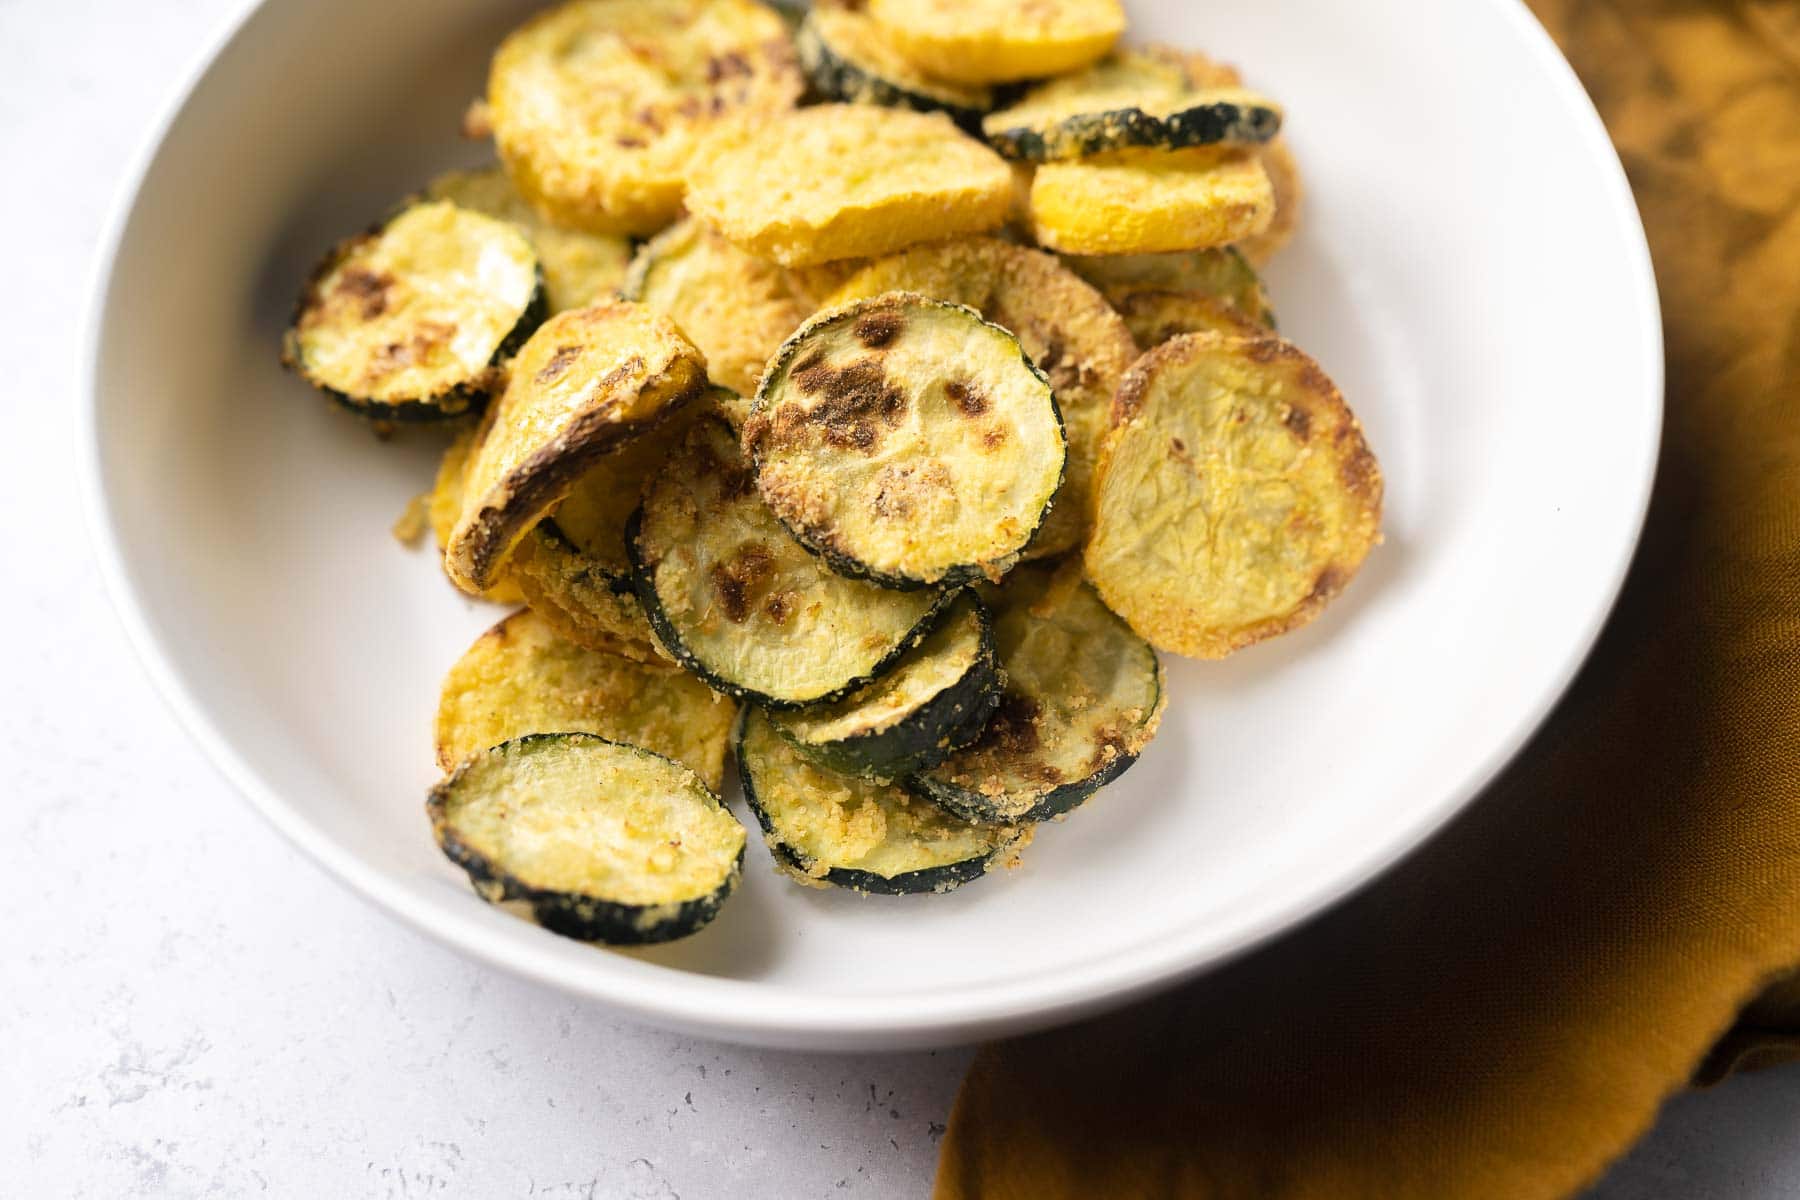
<point x="1000" y="41"/>
<point x="597" y="840"/>
<point x="1154" y="317"/>
<point x="406" y="323"/>
<point x="934" y="700"/>
<point x="739" y="602"/>
<point x="579" y="267"/>
<point x="1083" y="698"/>
<point x="520" y="677"/>
<point x="587" y="380"/>
<point x="846" y="181"/>
<point x="573" y="567"/>
<point x="907" y="441"/>
<point x="1067" y="328"/>
<point x="829" y="829"/>
<point x="735" y="307"/>
<point x="445" y="504"/>
<point x="1236" y="495"/>
<point x="847" y="57"/>
<point x="1284" y="177"/>
<point x="1223" y="274"/>
<point x="1130" y="98"/>
<point x="1142" y="201"/>
<point x="597" y="105"/>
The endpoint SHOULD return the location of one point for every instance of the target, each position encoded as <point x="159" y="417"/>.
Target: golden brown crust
<point x="1236" y="496"/>
<point x="1154" y="316"/>
<point x="444" y="505"/>
<point x="1144" y="202"/>
<point x="587" y="380"/>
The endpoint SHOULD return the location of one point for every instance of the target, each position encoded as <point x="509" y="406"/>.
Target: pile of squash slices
<point x="864" y="393"/>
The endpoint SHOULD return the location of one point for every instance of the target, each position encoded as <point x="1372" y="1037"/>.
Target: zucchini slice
<point x="597" y="105"/>
<point x="520" y="677"/>
<point x="828" y="829"/>
<point x="1154" y="317"/>
<point x="587" y="380"/>
<point x="743" y="605"/>
<point x="1145" y="201"/>
<point x="735" y="307"/>
<point x="573" y="567"/>
<point x="1236" y="495"/>
<point x="444" y="505"/>
<point x="597" y="840"/>
<point x="1130" y="98"/>
<point x="1067" y="328"/>
<point x="846" y="57"/>
<point x="1083" y="698"/>
<point x="406" y="323"/>
<point x="999" y="41"/>
<point x="936" y="698"/>
<point x="846" y="181"/>
<point x="908" y="441"/>
<point x="1223" y="274"/>
<point x="579" y="267"/>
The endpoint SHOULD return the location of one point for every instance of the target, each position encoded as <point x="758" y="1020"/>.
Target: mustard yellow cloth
<point x="1502" y="1015"/>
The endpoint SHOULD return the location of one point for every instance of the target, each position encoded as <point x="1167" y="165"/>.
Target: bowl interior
<point x="1470" y="272"/>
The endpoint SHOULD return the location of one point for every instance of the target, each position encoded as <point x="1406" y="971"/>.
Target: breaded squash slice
<point x="742" y="604"/>
<point x="735" y="307"/>
<point x="1224" y="275"/>
<point x="597" y="105"/>
<point x="407" y="322"/>
<point x="1067" y="328"/>
<point x="999" y="41"/>
<point x="1130" y="98"/>
<point x="573" y="568"/>
<point x="444" y="505"/>
<point x="846" y="181"/>
<point x="588" y="380"/>
<point x="847" y="57"/>
<point x="907" y="441"/>
<point x="1154" y="316"/>
<point x="520" y="677"/>
<point x="579" y="267"/>
<point x="1143" y="201"/>
<point x="1284" y="177"/>
<point x="1236" y="495"/>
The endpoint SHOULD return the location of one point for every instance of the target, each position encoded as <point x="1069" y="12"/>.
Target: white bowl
<point x="1472" y="272"/>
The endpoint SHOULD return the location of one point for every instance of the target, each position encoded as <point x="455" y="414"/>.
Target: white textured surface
<point x="188" y="1008"/>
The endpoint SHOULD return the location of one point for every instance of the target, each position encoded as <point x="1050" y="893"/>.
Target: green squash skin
<point x="836" y="77"/>
<point x="582" y="918"/>
<point x="644" y="582"/>
<point x="926" y="736"/>
<point x="977" y="809"/>
<point x="1087" y="134"/>
<point x="929" y="881"/>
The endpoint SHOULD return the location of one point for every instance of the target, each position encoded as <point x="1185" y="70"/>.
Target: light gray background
<point x="188" y="1008"/>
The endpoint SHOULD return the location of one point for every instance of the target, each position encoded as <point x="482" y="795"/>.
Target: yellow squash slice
<point x="1000" y="41"/>
<point x="587" y="380"/>
<point x="1284" y="177"/>
<point x="1155" y="316"/>
<point x="1223" y="275"/>
<point x="597" y="105"/>
<point x="846" y="181"/>
<point x="1236" y="495"/>
<point x="444" y="505"/>
<point x="1067" y="328"/>
<point x="520" y="677"/>
<point x="1143" y="201"/>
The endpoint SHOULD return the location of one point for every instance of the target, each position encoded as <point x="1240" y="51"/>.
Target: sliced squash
<point x="735" y="307"/>
<point x="1154" y="317"/>
<point x="847" y="57"/>
<point x="1236" y="495"/>
<point x="1067" y="328"/>
<point x="1141" y="201"/>
<point x="908" y="441"/>
<point x="1223" y="274"/>
<point x="594" y="839"/>
<point x="846" y="181"/>
<point x="521" y="677"/>
<point x="588" y="380"/>
<point x="826" y="829"/>
<point x="408" y="322"/>
<point x="1284" y="177"/>
<point x="579" y="267"/>
<point x="597" y="105"/>
<point x="999" y="41"/>
<point x="1083" y="697"/>
<point x="444" y="505"/>
<point x="741" y="604"/>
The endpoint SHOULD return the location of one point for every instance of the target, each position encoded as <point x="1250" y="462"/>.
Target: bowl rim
<point x="778" y="1015"/>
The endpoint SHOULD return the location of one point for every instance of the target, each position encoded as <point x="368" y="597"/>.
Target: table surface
<point x="193" y="1009"/>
